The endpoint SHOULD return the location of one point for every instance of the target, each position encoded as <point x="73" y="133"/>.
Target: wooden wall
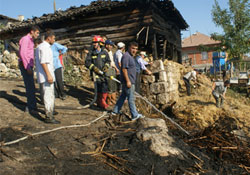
<point x="154" y="33"/>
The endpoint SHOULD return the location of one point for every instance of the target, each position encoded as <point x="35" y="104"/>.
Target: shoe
<point x="34" y="112"/>
<point x="114" y="113"/>
<point x="63" y="97"/>
<point x="137" y="117"/>
<point x="55" y="113"/>
<point x="51" y="121"/>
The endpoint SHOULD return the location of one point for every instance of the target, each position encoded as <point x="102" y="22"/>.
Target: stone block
<point x="162" y="76"/>
<point x="157" y="66"/>
<point x="157" y="88"/>
<point x="148" y="79"/>
<point x="145" y="91"/>
<point x="3" y="68"/>
<point x="165" y="98"/>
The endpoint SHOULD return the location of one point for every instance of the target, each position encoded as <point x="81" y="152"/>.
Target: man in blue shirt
<point x="140" y="66"/>
<point x="128" y="78"/>
<point x="57" y="50"/>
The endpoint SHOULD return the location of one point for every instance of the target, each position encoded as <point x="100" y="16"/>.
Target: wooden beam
<point x="155" y="47"/>
<point x="164" y="49"/>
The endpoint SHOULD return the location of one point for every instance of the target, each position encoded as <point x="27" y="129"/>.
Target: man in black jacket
<point x="98" y="61"/>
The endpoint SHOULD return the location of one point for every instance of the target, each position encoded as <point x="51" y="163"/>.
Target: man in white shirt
<point x="45" y="75"/>
<point x="118" y="55"/>
<point x="117" y="59"/>
<point x="187" y="77"/>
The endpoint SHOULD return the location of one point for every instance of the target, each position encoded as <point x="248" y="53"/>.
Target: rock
<point x="156" y="131"/>
<point x="6" y="52"/>
<point x="157" y="66"/>
<point x="14" y="64"/>
<point x="148" y="79"/>
<point x="167" y="97"/>
<point x="162" y="76"/>
<point x="3" y="68"/>
<point x="157" y="88"/>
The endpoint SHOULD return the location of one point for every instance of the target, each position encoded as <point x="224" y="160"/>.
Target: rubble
<point x="9" y="65"/>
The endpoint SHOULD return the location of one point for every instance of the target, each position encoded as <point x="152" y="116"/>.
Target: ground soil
<point x="108" y="146"/>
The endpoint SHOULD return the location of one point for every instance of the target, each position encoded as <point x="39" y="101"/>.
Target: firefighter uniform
<point x="99" y="61"/>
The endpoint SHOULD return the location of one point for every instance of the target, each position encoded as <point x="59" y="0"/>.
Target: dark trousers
<point x="188" y="87"/>
<point x="29" y="87"/>
<point x="138" y="82"/>
<point x="59" y="88"/>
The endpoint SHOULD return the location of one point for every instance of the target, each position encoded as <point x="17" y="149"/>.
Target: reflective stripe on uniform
<point x="103" y="56"/>
<point x="91" y="66"/>
<point x="94" y="57"/>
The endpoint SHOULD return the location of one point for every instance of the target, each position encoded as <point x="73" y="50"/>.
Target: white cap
<point x="120" y="45"/>
<point x="143" y="53"/>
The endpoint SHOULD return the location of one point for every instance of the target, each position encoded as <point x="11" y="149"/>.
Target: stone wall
<point x="162" y="86"/>
<point x="9" y="65"/>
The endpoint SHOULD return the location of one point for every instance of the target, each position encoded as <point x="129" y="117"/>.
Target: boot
<point x="99" y="99"/>
<point x="103" y="100"/>
<point x="50" y="119"/>
<point x="109" y="99"/>
<point x="113" y="98"/>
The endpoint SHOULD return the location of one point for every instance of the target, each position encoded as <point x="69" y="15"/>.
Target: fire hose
<point x="150" y="104"/>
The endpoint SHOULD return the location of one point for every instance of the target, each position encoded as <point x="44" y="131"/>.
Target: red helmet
<point x="98" y="38"/>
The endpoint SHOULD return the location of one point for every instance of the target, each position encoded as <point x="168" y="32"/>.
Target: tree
<point x="235" y="22"/>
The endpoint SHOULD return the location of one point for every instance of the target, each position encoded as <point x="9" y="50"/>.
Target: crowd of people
<point x="46" y="55"/>
<point x="104" y="65"/>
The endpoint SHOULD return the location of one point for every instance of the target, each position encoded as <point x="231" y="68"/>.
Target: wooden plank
<point x="164" y="49"/>
<point x="155" y="47"/>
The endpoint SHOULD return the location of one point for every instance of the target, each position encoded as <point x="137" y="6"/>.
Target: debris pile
<point x="223" y="142"/>
<point x="9" y="65"/>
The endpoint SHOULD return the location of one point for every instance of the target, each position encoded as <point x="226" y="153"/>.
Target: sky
<point x="197" y="13"/>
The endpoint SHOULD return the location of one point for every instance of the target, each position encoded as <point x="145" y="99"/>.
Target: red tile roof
<point x="198" y="39"/>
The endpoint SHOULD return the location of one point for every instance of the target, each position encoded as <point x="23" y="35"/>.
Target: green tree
<point x="235" y="22"/>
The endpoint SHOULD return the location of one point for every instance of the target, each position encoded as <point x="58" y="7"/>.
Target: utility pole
<point x="54" y="6"/>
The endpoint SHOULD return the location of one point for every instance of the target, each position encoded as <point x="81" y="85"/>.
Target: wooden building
<point x="155" y="24"/>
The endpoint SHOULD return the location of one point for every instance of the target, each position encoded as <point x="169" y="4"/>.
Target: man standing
<point x="140" y="66"/>
<point x="112" y="85"/>
<point x="128" y="78"/>
<point x="26" y="64"/>
<point x="118" y="56"/>
<point x="57" y="50"/>
<point x="117" y="59"/>
<point x="187" y="77"/>
<point x="98" y="61"/>
<point x="45" y="75"/>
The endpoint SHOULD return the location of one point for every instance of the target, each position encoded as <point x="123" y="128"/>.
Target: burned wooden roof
<point x="2" y="17"/>
<point x="166" y="6"/>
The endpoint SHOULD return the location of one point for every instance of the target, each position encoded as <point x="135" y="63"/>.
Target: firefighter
<point x="98" y="61"/>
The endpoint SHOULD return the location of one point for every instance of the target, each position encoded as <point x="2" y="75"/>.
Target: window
<point x="204" y="56"/>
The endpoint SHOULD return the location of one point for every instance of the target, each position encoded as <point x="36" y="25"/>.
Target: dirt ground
<point x="108" y="146"/>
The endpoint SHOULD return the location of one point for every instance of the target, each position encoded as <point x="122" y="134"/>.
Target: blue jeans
<point x="129" y="94"/>
<point x="29" y="87"/>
